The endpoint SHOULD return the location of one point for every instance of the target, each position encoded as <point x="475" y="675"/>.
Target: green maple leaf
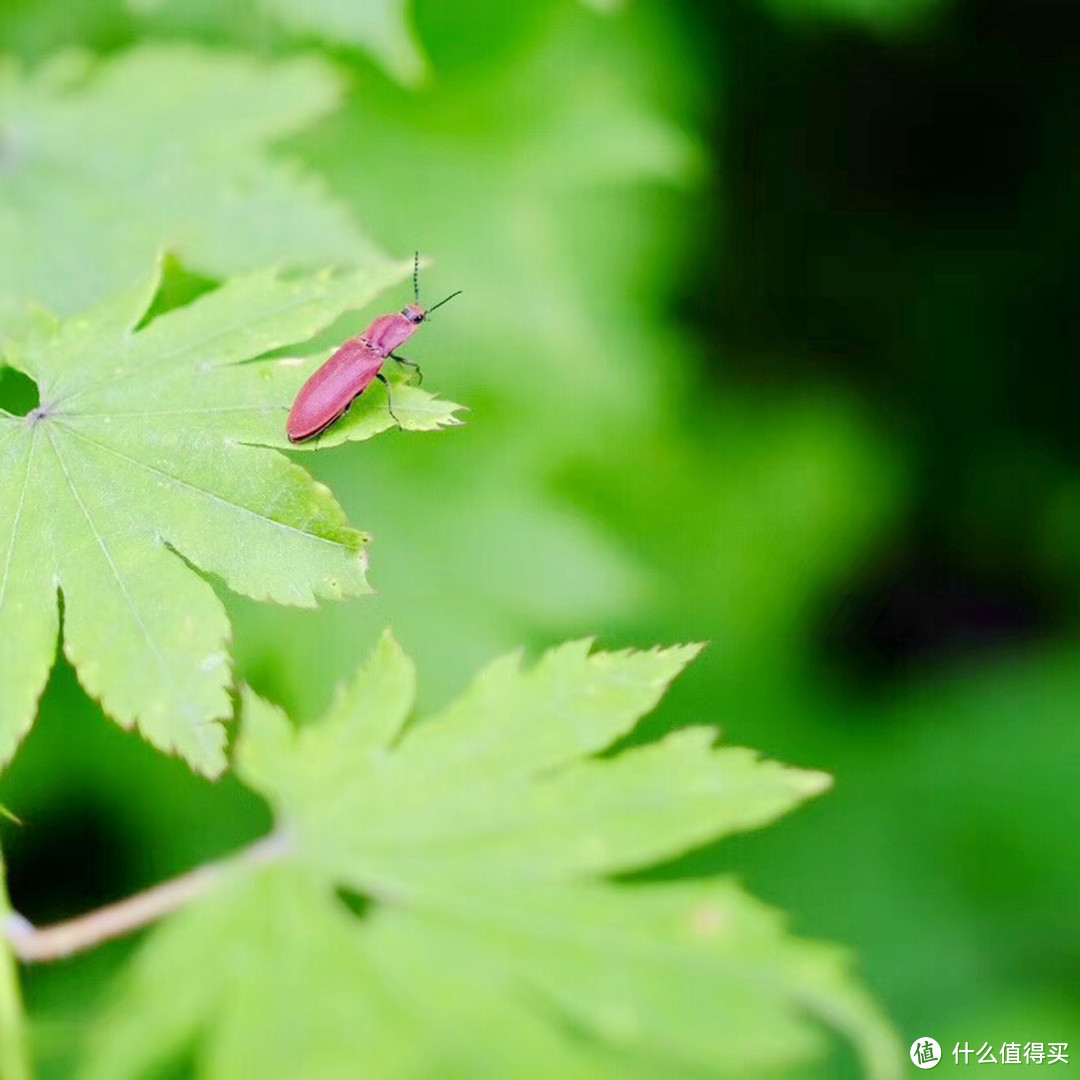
<point x="164" y="146"/>
<point x="150" y="446"/>
<point x="492" y="946"/>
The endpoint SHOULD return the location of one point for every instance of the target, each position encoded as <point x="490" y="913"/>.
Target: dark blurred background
<point x="894" y="214"/>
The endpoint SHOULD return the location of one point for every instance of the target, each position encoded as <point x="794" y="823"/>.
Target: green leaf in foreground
<point x="100" y="165"/>
<point x="149" y="448"/>
<point x="491" y="945"/>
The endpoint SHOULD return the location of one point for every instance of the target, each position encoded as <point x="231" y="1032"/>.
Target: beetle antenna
<point x="441" y="302"/>
<point x="416" y="276"/>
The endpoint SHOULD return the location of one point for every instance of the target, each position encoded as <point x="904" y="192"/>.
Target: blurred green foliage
<point x="91" y="182"/>
<point x="378" y="26"/>
<point x="724" y="385"/>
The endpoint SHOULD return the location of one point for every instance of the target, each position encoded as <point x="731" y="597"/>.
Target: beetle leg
<point x="409" y="363"/>
<point x="389" y="397"/>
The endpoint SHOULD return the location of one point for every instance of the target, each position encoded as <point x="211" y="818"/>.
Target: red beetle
<point x="327" y="395"/>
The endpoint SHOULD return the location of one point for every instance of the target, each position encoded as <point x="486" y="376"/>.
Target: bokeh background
<point x="769" y="340"/>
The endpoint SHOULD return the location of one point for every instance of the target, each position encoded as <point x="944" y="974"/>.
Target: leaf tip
<point x="810" y="782"/>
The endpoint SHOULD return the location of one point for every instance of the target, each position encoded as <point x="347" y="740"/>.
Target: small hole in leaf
<point x="18" y="392"/>
<point x="179" y="287"/>
<point x="359" y="904"/>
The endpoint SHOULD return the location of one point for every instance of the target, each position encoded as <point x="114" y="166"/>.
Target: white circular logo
<point x="925" y="1052"/>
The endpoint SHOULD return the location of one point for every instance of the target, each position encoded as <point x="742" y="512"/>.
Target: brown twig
<point x="39" y="945"/>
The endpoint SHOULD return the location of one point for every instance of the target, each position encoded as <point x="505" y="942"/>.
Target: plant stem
<point x="14" y="1046"/>
<point x="36" y="946"/>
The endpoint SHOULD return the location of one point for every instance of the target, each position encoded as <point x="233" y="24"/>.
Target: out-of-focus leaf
<point x="490" y="948"/>
<point x="164" y="146"/>
<point x="152" y="443"/>
<point x="381" y="27"/>
<point x="774" y="501"/>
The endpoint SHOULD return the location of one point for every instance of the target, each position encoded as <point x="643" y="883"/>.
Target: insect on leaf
<point x="447" y="909"/>
<point x="152" y="447"/>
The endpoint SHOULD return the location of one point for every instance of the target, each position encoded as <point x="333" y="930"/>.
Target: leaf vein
<point x="136" y="614"/>
<point x="213" y="496"/>
<point x="18" y="518"/>
<point x="163" y="358"/>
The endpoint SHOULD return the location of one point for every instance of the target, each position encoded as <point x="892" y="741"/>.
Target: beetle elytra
<point x="329" y="392"/>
